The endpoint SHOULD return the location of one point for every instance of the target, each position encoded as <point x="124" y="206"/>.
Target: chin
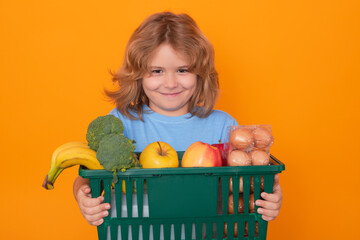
<point x="171" y="110"/>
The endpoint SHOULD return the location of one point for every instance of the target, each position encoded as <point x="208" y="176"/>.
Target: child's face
<point x="169" y="86"/>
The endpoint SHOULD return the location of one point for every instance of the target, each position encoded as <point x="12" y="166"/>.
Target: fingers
<point x="97" y="218"/>
<point x="89" y="202"/>
<point x="93" y="209"/>
<point x="86" y="189"/>
<point x="97" y="223"/>
<point x="276" y="186"/>
<point x="270" y="206"/>
<point x="269" y="210"/>
<point x="276" y="179"/>
<point x="267" y="218"/>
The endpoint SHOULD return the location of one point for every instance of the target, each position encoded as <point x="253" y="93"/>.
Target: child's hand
<point x="270" y="206"/>
<point x="92" y="209"/>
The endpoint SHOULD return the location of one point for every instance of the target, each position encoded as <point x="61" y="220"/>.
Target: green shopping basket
<point x="183" y="203"/>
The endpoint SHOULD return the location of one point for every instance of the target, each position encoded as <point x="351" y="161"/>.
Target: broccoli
<point x="101" y="127"/>
<point x="116" y="152"/>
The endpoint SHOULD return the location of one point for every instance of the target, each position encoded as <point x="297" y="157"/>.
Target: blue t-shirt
<point x="179" y="132"/>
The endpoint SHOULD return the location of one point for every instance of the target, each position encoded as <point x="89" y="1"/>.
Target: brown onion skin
<point x="242" y="138"/>
<point x="238" y="158"/>
<point x="263" y="137"/>
<point x="245" y="231"/>
<point x="231" y="205"/>
<point x="259" y="157"/>
<point x="241" y="210"/>
<point x="251" y="203"/>
<point x="241" y="185"/>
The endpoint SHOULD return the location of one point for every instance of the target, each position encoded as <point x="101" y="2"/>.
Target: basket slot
<point x="178" y="228"/>
<point x="118" y="197"/>
<point x="129" y="191"/>
<point x="225" y="194"/>
<point x="235" y="182"/>
<point x="246" y="193"/>
<point x="139" y="183"/>
<point x="145" y="211"/>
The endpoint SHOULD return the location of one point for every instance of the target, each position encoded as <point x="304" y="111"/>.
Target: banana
<point x="65" y="146"/>
<point x="68" y="155"/>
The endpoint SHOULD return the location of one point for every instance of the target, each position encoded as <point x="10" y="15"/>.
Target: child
<point x="168" y="87"/>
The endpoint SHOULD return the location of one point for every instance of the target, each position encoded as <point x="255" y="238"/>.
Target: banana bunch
<point x="68" y="155"/>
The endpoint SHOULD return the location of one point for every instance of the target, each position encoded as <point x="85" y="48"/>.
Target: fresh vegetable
<point x="240" y="210"/>
<point x="259" y="157"/>
<point x="241" y="184"/>
<point x="263" y="137"/>
<point x="116" y="152"/>
<point x="102" y="126"/>
<point x="238" y="158"/>
<point x="245" y="230"/>
<point x="242" y="138"/>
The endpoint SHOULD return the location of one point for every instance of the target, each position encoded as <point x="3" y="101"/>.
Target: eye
<point x="156" y="71"/>
<point x="182" y="70"/>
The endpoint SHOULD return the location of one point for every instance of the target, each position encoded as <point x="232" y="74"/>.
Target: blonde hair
<point x="183" y="34"/>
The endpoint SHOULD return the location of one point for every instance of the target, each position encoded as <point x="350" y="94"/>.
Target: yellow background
<point x="292" y="64"/>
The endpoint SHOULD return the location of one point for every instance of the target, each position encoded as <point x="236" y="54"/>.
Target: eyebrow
<point x="184" y="66"/>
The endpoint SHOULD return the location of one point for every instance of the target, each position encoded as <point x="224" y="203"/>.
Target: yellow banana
<point x="64" y="146"/>
<point x="68" y="155"/>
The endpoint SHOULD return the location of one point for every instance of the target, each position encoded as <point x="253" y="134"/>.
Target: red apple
<point x="201" y="154"/>
<point x="221" y="147"/>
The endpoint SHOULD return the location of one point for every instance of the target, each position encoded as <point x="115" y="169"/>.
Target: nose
<point x="170" y="81"/>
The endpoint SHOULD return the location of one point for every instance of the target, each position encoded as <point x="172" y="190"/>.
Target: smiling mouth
<point x="170" y="94"/>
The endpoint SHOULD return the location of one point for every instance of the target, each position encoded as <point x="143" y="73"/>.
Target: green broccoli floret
<point x="116" y="152"/>
<point x="101" y="127"/>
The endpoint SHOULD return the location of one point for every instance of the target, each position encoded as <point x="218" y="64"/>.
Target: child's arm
<point x="270" y="206"/>
<point x="92" y="209"/>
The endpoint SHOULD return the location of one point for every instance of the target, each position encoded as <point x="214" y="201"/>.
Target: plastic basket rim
<point x="276" y="167"/>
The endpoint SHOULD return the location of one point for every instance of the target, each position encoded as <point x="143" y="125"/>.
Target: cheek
<point x="150" y="84"/>
<point x="190" y="83"/>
